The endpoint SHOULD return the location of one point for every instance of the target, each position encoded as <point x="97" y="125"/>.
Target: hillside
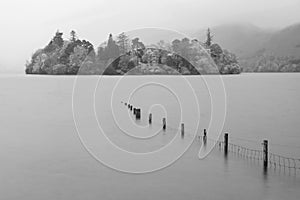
<point x="260" y="50"/>
<point x="242" y="39"/>
<point x="285" y="42"/>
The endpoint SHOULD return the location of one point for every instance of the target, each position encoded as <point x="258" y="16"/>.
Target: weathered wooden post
<point x="204" y="136"/>
<point x="226" y="143"/>
<point x="182" y="130"/>
<point x="134" y="111"/>
<point x="164" y="123"/>
<point x="138" y="113"/>
<point x="265" y="153"/>
<point x="131" y="108"/>
<point x="150" y="118"/>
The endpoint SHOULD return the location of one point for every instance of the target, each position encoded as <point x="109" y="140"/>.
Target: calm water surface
<point x="42" y="156"/>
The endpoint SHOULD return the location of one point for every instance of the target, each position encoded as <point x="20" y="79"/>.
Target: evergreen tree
<point x="111" y="51"/>
<point x="73" y="36"/>
<point x="123" y="43"/>
<point x="209" y="37"/>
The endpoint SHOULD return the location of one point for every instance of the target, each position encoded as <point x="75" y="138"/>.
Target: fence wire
<point x="274" y="160"/>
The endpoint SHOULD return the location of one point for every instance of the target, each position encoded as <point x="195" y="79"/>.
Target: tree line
<point x="119" y="55"/>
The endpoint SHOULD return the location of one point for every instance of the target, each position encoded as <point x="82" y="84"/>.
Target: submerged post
<point x="150" y="118"/>
<point x="138" y="113"/>
<point x="134" y="111"/>
<point x="131" y="108"/>
<point x="182" y="130"/>
<point x="204" y="136"/>
<point x="226" y="143"/>
<point x="164" y="123"/>
<point x="265" y="153"/>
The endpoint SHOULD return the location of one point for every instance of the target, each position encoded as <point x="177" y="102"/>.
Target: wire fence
<point x="278" y="161"/>
<point x="259" y="154"/>
<point x="274" y="160"/>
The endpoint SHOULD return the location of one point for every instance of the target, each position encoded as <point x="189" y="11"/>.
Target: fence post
<point x="150" y="118"/>
<point x="226" y="143"/>
<point x="182" y="130"/>
<point x="164" y="123"/>
<point x="204" y="136"/>
<point x="265" y="153"/>
<point x="138" y="113"/>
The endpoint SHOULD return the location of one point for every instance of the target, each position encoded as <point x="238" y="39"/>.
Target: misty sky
<point x="27" y="25"/>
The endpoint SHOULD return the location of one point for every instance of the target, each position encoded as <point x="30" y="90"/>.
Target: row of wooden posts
<point x="226" y="142"/>
<point x="137" y="113"/>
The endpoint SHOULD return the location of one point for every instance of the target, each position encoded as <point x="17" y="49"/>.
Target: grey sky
<point x="27" y="25"/>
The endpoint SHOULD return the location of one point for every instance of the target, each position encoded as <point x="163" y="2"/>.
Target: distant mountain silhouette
<point x="259" y="50"/>
<point x="246" y="40"/>
<point x="242" y="39"/>
<point x="285" y="42"/>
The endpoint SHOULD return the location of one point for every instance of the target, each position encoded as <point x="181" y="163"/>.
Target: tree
<point x="176" y="45"/>
<point x="123" y="43"/>
<point x="87" y="45"/>
<point x="185" y="47"/>
<point x="215" y="50"/>
<point x="111" y="51"/>
<point x="73" y="36"/>
<point x="58" y="40"/>
<point x="209" y="37"/>
<point x="164" y="45"/>
<point x="136" y="44"/>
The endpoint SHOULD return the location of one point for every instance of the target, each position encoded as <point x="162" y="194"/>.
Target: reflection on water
<point x="265" y="174"/>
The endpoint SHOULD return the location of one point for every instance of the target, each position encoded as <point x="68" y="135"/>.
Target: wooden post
<point x="204" y="136"/>
<point x="182" y="130"/>
<point x="134" y="111"/>
<point x="265" y="153"/>
<point x="131" y="107"/>
<point x="150" y="118"/>
<point x="226" y="143"/>
<point x="128" y="106"/>
<point x="164" y="123"/>
<point x="138" y="113"/>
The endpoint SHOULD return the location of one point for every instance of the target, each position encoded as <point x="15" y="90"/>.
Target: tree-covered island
<point x="123" y="55"/>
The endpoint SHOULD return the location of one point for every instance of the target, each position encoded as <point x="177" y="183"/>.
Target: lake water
<point x="42" y="156"/>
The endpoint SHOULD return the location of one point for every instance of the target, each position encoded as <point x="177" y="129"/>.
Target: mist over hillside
<point x="244" y="40"/>
<point x="279" y="48"/>
<point x="285" y="42"/>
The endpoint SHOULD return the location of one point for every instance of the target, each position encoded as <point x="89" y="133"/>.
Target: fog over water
<point x="42" y="156"/>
